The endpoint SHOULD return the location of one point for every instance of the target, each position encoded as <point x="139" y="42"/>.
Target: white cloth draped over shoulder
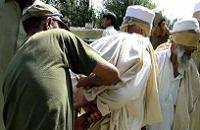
<point x="133" y="102"/>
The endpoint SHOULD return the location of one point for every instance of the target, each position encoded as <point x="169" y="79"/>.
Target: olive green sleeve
<point x="81" y="57"/>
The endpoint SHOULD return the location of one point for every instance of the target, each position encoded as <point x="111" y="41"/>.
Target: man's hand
<point x="81" y="122"/>
<point x="94" y="117"/>
<point x="79" y="98"/>
<point x="82" y="81"/>
<point x="84" y="121"/>
<point x="95" y="114"/>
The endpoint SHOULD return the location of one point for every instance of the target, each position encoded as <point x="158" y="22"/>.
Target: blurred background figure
<point x="108" y="21"/>
<point x="160" y="31"/>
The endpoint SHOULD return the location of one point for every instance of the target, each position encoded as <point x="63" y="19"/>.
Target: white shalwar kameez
<point x="123" y="105"/>
<point x="178" y="95"/>
<point x="168" y="87"/>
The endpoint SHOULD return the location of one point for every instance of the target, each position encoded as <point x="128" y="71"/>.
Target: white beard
<point x="182" y="58"/>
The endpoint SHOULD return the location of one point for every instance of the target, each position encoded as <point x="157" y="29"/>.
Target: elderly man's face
<point x="184" y="55"/>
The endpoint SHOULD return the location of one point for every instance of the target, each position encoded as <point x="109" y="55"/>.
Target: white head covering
<point x="186" y="25"/>
<point x="197" y="7"/>
<point x="141" y="13"/>
<point x="186" y="32"/>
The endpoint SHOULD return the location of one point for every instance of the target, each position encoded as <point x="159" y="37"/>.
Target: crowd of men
<point x="127" y="80"/>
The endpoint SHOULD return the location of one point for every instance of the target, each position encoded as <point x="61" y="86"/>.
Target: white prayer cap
<point x="141" y="13"/>
<point x="186" y="32"/>
<point x="186" y="25"/>
<point x="197" y="7"/>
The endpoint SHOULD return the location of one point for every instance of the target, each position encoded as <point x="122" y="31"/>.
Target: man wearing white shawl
<point x="178" y="79"/>
<point x="134" y="101"/>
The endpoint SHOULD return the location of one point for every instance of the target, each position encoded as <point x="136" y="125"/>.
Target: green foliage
<point x="119" y="7"/>
<point x="79" y="12"/>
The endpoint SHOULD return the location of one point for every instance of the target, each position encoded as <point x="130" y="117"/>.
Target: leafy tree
<point x="78" y="11"/>
<point x="83" y="13"/>
<point x="119" y="7"/>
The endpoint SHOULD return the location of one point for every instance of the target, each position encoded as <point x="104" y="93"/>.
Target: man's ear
<point x="47" y="24"/>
